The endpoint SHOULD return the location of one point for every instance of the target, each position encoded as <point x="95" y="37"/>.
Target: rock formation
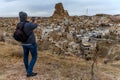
<point x="59" y="11"/>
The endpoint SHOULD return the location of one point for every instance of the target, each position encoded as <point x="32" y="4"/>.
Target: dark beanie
<point x="23" y="16"/>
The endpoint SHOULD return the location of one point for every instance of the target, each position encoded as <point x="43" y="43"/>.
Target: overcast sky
<point x="9" y="8"/>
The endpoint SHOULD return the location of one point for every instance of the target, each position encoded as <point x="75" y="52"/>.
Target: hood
<point x="23" y="16"/>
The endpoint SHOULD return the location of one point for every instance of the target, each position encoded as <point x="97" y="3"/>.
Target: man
<point x="30" y="44"/>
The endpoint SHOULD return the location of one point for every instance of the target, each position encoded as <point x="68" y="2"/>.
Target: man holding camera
<point x="29" y="45"/>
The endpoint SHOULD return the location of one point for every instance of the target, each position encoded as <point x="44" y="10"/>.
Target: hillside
<point x="53" y="67"/>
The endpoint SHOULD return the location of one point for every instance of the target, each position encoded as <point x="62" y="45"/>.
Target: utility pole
<point x="87" y="11"/>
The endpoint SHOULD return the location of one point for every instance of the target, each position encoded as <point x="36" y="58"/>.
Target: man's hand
<point x="33" y="20"/>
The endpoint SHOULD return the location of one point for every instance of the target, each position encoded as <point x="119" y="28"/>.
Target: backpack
<point x="19" y="34"/>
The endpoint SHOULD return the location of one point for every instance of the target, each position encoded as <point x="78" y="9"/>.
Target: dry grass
<point x="50" y="66"/>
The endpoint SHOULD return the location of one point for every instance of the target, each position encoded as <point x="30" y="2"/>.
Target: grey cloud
<point x="10" y="0"/>
<point x="94" y="6"/>
<point x="41" y="8"/>
<point x="36" y="8"/>
<point x="46" y="7"/>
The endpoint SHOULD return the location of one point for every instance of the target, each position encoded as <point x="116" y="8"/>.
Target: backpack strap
<point x="23" y="25"/>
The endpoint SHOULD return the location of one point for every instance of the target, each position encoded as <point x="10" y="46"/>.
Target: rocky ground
<point x="53" y="67"/>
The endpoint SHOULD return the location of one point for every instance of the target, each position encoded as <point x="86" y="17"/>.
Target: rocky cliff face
<point x="59" y="11"/>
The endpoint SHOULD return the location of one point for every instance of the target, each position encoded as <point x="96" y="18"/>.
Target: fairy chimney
<point x="59" y="11"/>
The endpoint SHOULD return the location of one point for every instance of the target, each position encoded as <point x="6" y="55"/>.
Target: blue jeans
<point x="33" y="50"/>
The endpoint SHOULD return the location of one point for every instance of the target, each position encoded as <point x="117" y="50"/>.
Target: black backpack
<point x="19" y="33"/>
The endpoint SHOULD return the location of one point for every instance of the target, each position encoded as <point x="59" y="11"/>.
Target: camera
<point x="33" y="19"/>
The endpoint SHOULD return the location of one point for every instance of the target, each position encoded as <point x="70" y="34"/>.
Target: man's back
<point x="28" y="29"/>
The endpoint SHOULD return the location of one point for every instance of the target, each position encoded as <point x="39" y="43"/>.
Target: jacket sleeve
<point x="33" y="26"/>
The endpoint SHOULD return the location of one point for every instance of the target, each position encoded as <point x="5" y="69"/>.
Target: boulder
<point x="43" y="44"/>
